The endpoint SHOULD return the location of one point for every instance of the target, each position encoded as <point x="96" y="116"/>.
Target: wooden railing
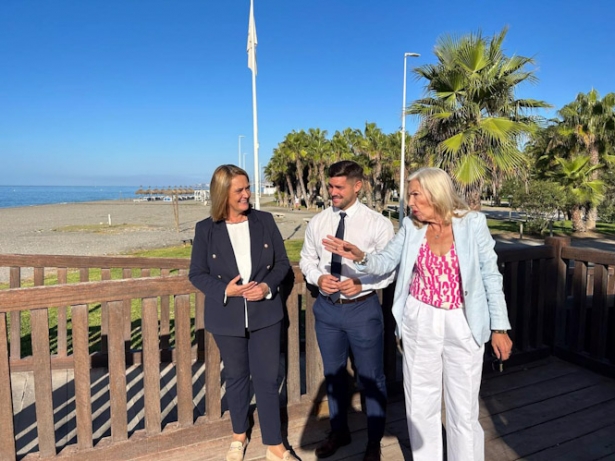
<point x="560" y="300"/>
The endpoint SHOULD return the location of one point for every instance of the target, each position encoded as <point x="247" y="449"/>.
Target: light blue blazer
<point x="481" y="281"/>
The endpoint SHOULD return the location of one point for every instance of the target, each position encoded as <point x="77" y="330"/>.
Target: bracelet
<point x="500" y="332"/>
<point x="363" y="262"/>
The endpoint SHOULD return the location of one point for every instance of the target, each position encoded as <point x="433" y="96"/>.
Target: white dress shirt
<point x="365" y="228"/>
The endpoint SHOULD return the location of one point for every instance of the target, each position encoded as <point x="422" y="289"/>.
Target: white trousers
<point x="439" y="349"/>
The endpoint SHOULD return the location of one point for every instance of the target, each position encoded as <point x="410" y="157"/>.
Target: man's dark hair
<point x="348" y="168"/>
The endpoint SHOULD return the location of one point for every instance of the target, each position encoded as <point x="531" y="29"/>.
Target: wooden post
<point x="555" y="312"/>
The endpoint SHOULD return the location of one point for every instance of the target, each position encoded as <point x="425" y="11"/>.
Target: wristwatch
<point x="500" y="332"/>
<point x="363" y="262"/>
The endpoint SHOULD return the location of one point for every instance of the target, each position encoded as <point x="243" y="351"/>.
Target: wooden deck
<point x="547" y="410"/>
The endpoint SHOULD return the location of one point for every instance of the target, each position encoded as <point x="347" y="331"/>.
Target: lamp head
<point x="412" y="55"/>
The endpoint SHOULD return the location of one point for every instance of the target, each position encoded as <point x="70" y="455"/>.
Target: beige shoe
<point x="287" y="456"/>
<point x="236" y="451"/>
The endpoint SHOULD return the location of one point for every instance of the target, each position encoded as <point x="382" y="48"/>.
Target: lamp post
<point x="239" y="150"/>
<point x="402" y="180"/>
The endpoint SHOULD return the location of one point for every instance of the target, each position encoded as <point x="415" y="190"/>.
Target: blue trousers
<point x="357" y="327"/>
<point x="257" y="355"/>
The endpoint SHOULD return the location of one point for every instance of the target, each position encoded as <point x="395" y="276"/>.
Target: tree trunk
<point x="578" y="225"/>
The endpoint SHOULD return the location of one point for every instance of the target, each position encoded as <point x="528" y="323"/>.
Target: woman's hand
<point x="502" y="345"/>
<point x="344" y="249"/>
<point x="235" y="288"/>
<point x="257" y="292"/>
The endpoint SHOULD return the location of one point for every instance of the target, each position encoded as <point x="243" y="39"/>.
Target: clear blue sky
<point x="156" y="93"/>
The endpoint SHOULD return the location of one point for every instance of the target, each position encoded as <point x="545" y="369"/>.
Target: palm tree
<point x="588" y="123"/>
<point x="295" y="148"/>
<point x="575" y="176"/>
<point x="471" y="123"/>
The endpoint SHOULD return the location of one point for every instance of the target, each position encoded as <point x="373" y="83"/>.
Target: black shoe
<point x="334" y="442"/>
<point x="372" y="452"/>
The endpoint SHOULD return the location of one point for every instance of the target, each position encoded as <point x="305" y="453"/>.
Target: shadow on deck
<point x="545" y="410"/>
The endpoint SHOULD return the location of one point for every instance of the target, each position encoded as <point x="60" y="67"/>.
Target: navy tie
<point x="336" y="260"/>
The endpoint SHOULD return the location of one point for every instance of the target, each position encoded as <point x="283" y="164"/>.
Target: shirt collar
<point x="350" y="211"/>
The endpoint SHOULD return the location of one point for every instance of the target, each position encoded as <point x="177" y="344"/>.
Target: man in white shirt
<point x="347" y="312"/>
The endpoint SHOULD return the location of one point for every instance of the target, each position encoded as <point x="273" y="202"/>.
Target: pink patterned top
<point x="436" y="279"/>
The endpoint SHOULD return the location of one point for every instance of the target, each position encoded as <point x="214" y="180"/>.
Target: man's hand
<point x="328" y="283"/>
<point x="350" y="287"/>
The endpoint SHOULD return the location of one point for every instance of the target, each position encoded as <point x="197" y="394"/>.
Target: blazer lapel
<point x="223" y="246"/>
<point x="462" y="240"/>
<point x="256" y="241"/>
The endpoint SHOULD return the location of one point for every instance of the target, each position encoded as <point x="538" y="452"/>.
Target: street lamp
<point x="239" y="150"/>
<point x="402" y="196"/>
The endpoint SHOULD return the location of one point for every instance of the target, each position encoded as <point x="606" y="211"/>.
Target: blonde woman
<point x="448" y="303"/>
<point x="239" y="261"/>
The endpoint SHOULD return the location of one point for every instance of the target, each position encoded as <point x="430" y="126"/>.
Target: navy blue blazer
<point x="213" y="266"/>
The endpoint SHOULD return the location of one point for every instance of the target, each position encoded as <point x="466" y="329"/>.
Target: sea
<point x="20" y="196"/>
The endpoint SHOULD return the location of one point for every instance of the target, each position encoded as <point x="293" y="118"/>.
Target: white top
<point x="239" y="233"/>
<point x="365" y="228"/>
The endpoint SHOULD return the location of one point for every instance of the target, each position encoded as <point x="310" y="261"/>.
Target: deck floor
<point x="546" y="410"/>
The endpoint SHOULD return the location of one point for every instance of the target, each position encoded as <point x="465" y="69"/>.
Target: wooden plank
<point x="8" y="260"/>
<point x="560" y="405"/>
<point x="184" y="361"/>
<point x="39" y="276"/>
<point x="293" y="353"/>
<point x="199" y="324"/>
<point x="551" y="433"/>
<point x="213" y="391"/>
<point x="527" y="309"/>
<point x="127" y="274"/>
<point x="313" y="361"/>
<point x="599" y="444"/>
<point x="7" y="440"/>
<point x="83" y="398"/>
<point x="151" y="366"/>
<point x="62" y="336"/>
<point x="589" y="255"/>
<point x="117" y="373"/>
<point x="579" y="307"/>
<point x="165" y="316"/>
<point x="21" y="299"/>
<point x="600" y="312"/>
<point x="42" y="382"/>
<point x="538" y="391"/>
<point x="15" y="333"/>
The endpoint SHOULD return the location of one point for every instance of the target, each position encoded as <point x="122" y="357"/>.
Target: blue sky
<point x="156" y="93"/>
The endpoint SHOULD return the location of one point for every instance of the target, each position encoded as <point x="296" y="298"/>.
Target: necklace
<point x="436" y="236"/>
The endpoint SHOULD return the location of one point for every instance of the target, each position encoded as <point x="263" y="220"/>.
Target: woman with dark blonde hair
<point x="448" y="303"/>
<point x="239" y="262"/>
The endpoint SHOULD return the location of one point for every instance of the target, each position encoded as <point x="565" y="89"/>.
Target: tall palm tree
<point x="589" y="125"/>
<point x="471" y="123"/>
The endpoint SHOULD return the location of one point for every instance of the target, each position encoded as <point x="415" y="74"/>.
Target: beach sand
<point x="83" y="229"/>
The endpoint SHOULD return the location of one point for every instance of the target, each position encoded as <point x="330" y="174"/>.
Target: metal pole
<point x="402" y="180"/>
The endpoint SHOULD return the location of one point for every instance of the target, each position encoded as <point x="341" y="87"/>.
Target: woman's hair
<point x="440" y="191"/>
<point x="219" y="189"/>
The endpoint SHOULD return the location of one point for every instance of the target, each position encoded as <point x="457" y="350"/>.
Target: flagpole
<point x="252" y="42"/>
<point x="257" y="198"/>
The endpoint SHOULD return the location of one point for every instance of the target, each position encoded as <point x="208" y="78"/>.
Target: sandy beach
<point x="83" y="228"/>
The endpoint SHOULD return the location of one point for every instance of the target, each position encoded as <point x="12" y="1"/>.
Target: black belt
<point x="352" y="300"/>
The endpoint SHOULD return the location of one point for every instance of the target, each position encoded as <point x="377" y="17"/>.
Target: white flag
<point x="252" y="42"/>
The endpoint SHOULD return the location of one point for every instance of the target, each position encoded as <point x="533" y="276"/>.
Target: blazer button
<point x="268" y="267"/>
<point x="266" y="245"/>
<point x="219" y="276"/>
<point x="465" y="293"/>
<point x="214" y="256"/>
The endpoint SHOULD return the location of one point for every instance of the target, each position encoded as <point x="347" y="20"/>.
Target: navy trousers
<point x="360" y="328"/>
<point x="257" y="355"/>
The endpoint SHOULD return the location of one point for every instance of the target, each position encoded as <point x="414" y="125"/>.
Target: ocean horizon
<point x="21" y="196"/>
